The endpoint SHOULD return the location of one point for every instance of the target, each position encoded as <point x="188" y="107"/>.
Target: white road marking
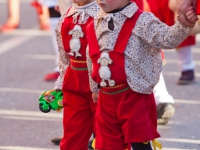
<point x="30" y="113"/>
<point x="29" y="118"/>
<point x="31" y="32"/>
<point x="194" y="50"/>
<point x="21" y="1"/>
<point x="23" y="148"/>
<point x="13" y="42"/>
<point x="42" y="57"/>
<point x="176" y="140"/>
<point x="175" y="61"/>
<point x="173" y="73"/>
<point x="18" y="90"/>
<point x="187" y="101"/>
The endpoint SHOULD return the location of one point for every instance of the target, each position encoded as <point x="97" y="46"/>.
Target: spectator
<point x="13" y="19"/>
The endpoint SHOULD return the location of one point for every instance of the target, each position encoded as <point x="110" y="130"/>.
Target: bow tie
<point x="109" y="19"/>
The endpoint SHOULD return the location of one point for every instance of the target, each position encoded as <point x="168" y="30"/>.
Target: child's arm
<point x="93" y="85"/>
<point x="156" y="33"/>
<point x="63" y="57"/>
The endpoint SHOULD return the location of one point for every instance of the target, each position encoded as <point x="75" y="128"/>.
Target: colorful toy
<point x="51" y="100"/>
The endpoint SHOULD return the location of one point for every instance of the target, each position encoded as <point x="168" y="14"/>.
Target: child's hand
<point x="95" y="97"/>
<point x="57" y="8"/>
<point x="191" y="15"/>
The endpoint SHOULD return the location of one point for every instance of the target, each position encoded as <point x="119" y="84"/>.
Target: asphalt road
<point x="26" y="56"/>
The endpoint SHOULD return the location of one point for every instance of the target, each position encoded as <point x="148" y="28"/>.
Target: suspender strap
<point x="126" y="31"/>
<point x="92" y="39"/>
<point x="124" y="35"/>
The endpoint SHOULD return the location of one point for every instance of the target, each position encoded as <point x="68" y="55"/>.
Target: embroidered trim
<point x="114" y="87"/>
<point x="116" y="92"/>
<point x="76" y="61"/>
<point x="80" y="69"/>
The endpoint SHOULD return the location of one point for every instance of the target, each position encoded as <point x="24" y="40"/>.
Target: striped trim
<point x="81" y="69"/>
<point x="114" y="87"/>
<point x="116" y="92"/>
<point x="76" y="61"/>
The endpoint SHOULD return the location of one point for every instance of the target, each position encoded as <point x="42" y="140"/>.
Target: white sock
<point x="185" y="56"/>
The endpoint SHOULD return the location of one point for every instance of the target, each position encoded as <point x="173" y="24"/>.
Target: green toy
<point x="50" y="100"/>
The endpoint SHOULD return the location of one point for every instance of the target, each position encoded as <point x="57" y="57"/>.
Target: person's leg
<point x="187" y="64"/>
<point x="109" y="135"/>
<point x="12" y="21"/>
<point x="53" y="75"/>
<point x="160" y="92"/>
<point x="164" y="102"/>
<point x="13" y="12"/>
<point x="141" y="146"/>
<point x="44" y="19"/>
<point x="56" y="140"/>
<point x="77" y="122"/>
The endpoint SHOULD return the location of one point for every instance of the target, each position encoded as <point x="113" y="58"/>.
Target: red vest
<point x="67" y="26"/>
<point x="117" y="55"/>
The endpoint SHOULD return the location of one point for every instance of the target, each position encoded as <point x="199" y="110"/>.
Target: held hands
<point x="95" y="97"/>
<point x="182" y="10"/>
<point x="57" y="8"/>
<point x="191" y="15"/>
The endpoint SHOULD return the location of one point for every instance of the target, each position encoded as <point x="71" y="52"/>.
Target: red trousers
<point x="79" y="111"/>
<point x="124" y="116"/>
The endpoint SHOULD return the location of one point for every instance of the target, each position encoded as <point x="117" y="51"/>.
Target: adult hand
<point x="57" y="8"/>
<point x="182" y="8"/>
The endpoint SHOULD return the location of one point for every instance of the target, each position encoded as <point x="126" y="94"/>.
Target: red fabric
<point x="161" y="10"/>
<point x="78" y="120"/>
<point x="117" y="54"/>
<point x="198" y="7"/>
<point x="66" y="27"/>
<point x="125" y="118"/>
<point x="79" y="109"/>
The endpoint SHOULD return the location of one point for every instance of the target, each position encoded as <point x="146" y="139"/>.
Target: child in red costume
<point x="124" y="64"/>
<point x="161" y="10"/>
<point x="79" y="108"/>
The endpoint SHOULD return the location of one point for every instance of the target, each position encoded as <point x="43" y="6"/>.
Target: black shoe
<point x="164" y="112"/>
<point x="187" y="77"/>
<point x="90" y="145"/>
<point x="56" y="140"/>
